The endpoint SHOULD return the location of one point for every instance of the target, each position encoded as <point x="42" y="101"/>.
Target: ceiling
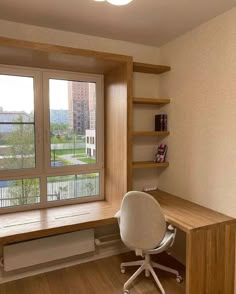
<point x="150" y="22"/>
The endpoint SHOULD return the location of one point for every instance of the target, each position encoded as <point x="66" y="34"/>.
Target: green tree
<point x="59" y="127"/>
<point x="21" y="147"/>
<point x="90" y="188"/>
<point x="63" y="191"/>
<point x="21" y="154"/>
<point x="25" y="191"/>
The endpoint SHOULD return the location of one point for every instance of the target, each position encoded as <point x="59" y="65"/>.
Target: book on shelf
<point x="160" y="155"/>
<point x="161" y="121"/>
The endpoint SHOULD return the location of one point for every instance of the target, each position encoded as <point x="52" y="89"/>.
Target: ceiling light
<point x="116" y="2"/>
<point x="119" y="2"/>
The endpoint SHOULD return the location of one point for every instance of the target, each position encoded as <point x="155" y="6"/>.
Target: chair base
<point x="148" y="266"/>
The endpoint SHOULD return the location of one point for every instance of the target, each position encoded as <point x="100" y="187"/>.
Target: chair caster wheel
<point x="126" y="291"/>
<point x="123" y="272"/>
<point x="179" y="279"/>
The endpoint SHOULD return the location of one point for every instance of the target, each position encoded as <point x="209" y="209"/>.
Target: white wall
<point x="202" y="88"/>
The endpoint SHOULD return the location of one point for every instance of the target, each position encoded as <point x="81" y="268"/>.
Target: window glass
<point x="51" y="138"/>
<point x="72" y="186"/>
<point x="17" y="125"/>
<point x="72" y="122"/>
<point x="19" y="192"/>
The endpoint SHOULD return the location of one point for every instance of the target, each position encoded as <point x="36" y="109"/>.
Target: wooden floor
<point x="97" y="277"/>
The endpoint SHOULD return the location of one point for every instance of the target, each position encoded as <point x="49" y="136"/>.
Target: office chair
<point x="143" y="229"/>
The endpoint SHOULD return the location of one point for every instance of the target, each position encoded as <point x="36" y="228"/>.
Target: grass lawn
<point x="87" y="159"/>
<point x="55" y="140"/>
<point x="68" y="151"/>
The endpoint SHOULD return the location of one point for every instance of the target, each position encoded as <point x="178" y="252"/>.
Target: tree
<point x="59" y="126"/>
<point x="24" y="191"/>
<point x="63" y="192"/>
<point x="90" y="188"/>
<point x="21" y="147"/>
<point x="21" y="154"/>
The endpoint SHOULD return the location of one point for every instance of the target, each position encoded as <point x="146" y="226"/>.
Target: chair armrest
<point x="166" y="243"/>
<point x="174" y="231"/>
<point x="117" y="215"/>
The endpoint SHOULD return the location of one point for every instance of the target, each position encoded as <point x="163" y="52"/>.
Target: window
<point x="46" y="119"/>
<point x="17" y="122"/>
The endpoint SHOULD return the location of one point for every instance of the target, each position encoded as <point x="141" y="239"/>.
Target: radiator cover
<point x="29" y="253"/>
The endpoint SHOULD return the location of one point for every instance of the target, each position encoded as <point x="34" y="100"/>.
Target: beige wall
<point x="202" y="113"/>
<point x="202" y="117"/>
<point x="140" y="53"/>
<point x="145" y="85"/>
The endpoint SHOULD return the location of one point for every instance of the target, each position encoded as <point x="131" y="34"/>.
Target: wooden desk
<point x="210" y="250"/>
<point x="210" y="238"/>
<point x="27" y="225"/>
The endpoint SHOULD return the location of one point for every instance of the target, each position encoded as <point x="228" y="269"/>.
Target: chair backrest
<point x="142" y="223"/>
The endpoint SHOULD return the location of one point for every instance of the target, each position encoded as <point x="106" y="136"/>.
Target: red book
<point x="160" y="155"/>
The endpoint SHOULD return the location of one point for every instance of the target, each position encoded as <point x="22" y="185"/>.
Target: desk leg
<point x="210" y="260"/>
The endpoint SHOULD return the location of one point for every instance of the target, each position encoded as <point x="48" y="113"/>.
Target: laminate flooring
<point x="97" y="277"/>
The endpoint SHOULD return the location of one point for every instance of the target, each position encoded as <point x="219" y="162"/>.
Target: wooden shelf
<point x="149" y="164"/>
<point x="150" y="68"/>
<point x="151" y="101"/>
<point x="152" y="133"/>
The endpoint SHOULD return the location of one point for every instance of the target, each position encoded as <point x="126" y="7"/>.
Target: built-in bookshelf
<point x="151" y="101"/>
<point x="158" y="102"/>
<point x="150" y="68"/>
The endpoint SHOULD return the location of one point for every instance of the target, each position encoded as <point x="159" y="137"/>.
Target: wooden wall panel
<point x="116" y="121"/>
<point x="130" y="126"/>
<point x="48" y="56"/>
<point x="51" y="48"/>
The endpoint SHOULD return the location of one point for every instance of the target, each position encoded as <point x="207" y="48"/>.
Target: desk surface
<point x="187" y="215"/>
<point x="21" y="226"/>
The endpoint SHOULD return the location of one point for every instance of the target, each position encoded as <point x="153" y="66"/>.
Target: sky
<point x="16" y="93"/>
<point x="58" y="91"/>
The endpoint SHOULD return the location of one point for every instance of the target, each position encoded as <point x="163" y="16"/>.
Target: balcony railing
<point x="56" y="190"/>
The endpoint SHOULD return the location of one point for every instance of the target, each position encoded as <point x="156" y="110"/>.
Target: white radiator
<point x="47" y="249"/>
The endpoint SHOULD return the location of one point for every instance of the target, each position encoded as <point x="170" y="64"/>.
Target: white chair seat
<point x="143" y="228"/>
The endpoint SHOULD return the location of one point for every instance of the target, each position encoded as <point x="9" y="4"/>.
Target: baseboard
<point x="101" y="252"/>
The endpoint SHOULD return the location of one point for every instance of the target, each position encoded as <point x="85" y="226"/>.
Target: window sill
<point x="27" y="225"/>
